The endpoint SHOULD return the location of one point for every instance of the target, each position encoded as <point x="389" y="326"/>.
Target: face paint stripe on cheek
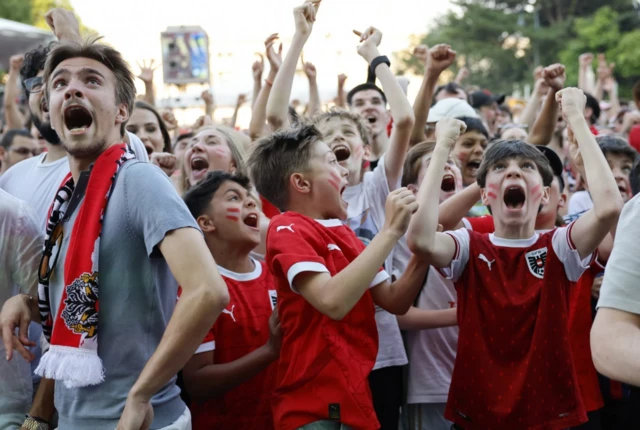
<point x="334" y="184"/>
<point x="492" y="195"/>
<point x="233" y="210"/>
<point x="233" y="218"/>
<point x="492" y="186"/>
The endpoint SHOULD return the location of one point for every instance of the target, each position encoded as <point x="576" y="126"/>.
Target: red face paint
<point x="492" y="186"/>
<point x="492" y="195"/>
<point x="233" y="214"/>
<point x="536" y="192"/>
<point x="334" y="180"/>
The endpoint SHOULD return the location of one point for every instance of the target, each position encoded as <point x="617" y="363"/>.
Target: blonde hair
<point x="236" y="142"/>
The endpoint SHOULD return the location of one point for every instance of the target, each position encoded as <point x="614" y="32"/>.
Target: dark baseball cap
<point x="554" y="161"/>
<point x="485" y="98"/>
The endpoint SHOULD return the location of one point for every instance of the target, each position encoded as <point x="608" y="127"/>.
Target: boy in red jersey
<point x="231" y="377"/>
<point x="327" y="282"/>
<point x="514" y="365"/>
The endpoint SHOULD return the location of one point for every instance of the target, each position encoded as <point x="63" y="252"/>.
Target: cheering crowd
<point x="375" y="264"/>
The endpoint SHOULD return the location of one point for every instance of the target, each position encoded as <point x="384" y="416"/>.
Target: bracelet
<point x="268" y="82"/>
<point x="379" y="60"/>
<point x="33" y="423"/>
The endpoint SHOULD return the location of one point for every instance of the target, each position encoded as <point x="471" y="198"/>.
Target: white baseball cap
<point x="450" y="108"/>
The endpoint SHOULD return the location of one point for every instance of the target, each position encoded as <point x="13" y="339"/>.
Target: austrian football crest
<point x="536" y="260"/>
<point x="80" y="314"/>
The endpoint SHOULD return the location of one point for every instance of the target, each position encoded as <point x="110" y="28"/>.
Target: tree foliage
<point x="32" y="12"/>
<point x="502" y="41"/>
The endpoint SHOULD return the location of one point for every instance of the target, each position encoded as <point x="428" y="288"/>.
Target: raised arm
<point x="341" y="99"/>
<point x="457" y="206"/>
<point x="314" y="106"/>
<point x="259" y="114"/>
<point x="586" y="61"/>
<point x="591" y="228"/>
<point x="205" y="380"/>
<point x="256" y="70"/>
<point x="401" y="110"/>
<point x="209" y="103"/>
<point x="528" y="115"/>
<point x="278" y="103"/>
<point x="242" y="98"/>
<point x="544" y="125"/>
<point x="146" y="75"/>
<point x="13" y="116"/>
<point x="436" y="60"/>
<point x="336" y="296"/>
<point x="204" y="296"/>
<point x="423" y="239"/>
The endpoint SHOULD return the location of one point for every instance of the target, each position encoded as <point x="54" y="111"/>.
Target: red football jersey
<point x="241" y="328"/>
<point x="580" y="321"/>
<point x="324" y="364"/>
<point x="514" y="368"/>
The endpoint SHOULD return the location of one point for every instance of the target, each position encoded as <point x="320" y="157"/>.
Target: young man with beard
<point x="35" y="181"/>
<point x="117" y="240"/>
<point x="514" y="283"/>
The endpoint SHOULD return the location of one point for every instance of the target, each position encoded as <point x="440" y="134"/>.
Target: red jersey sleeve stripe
<point x="206" y="347"/>
<point x="304" y="266"/>
<point x="456" y="255"/>
<point x="569" y="241"/>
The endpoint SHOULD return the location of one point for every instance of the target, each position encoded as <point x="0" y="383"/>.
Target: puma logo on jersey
<point x="486" y="260"/>
<point x="285" y="227"/>
<point x="333" y="247"/>
<point x="230" y="312"/>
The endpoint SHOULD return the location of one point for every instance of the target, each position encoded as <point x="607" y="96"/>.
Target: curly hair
<point x="34" y="62"/>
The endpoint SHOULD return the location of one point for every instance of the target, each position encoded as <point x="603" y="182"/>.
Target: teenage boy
<point x="327" y="282"/>
<point x="231" y="376"/>
<point x="348" y="137"/>
<point x="514" y="366"/>
<point x="102" y="309"/>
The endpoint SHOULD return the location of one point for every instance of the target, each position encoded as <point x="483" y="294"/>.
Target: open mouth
<point x="514" y="197"/>
<point x="342" y="152"/>
<point x="473" y="165"/>
<point x="199" y="164"/>
<point x="77" y="119"/>
<point x="448" y="183"/>
<point x="371" y="119"/>
<point x="44" y="107"/>
<point x="251" y="220"/>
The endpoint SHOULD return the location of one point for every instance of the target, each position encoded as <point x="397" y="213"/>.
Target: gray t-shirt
<point x="137" y="298"/>
<point x="620" y="287"/>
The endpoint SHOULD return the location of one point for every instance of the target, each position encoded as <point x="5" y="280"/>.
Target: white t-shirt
<point x="365" y="216"/>
<point x="36" y="182"/>
<point x="621" y="277"/>
<point x="432" y="353"/>
<point x="21" y="242"/>
<point x="579" y="203"/>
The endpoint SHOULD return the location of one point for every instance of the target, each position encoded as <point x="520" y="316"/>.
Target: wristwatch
<point x="379" y="60"/>
<point x="33" y="423"/>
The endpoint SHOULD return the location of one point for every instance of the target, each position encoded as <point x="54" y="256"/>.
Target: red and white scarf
<point x="73" y="335"/>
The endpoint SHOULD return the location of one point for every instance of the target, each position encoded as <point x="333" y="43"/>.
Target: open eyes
<point x="150" y="129"/>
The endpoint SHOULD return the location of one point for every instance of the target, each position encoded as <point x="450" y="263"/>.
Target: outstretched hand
<point x="369" y="41"/>
<point x="257" y="68"/>
<point x="275" y="58"/>
<point x="305" y="15"/>
<point x="146" y="71"/>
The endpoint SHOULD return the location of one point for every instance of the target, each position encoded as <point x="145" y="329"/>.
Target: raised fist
<point x="305" y="15"/>
<point x="586" y="59"/>
<point x="440" y="57"/>
<point x="15" y="62"/>
<point x="554" y="76"/>
<point x="400" y="205"/>
<point x="448" y="130"/>
<point x="257" y="68"/>
<point x="421" y="52"/>
<point x="342" y="78"/>
<point x="63" y="24"/>
<point x="572" y="101"/>
<point x="369" y="42"/>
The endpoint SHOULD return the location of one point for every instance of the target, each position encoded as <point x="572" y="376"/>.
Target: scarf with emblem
<point x="73" y="333"/>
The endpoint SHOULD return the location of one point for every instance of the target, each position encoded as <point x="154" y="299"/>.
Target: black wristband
<point x="379" y="60"/>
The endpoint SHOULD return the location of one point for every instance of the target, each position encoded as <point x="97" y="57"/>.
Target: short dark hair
<point x="593" y="103"/>
<point x="8" y="137"/>
<point x="474" y="124"/>
<point x="112" y="59"/>
<point x="276" y="157"/>
<point x="634" y="177"/>
<point x="199" y="197"/>
<point x="364" y="87"/>
<point x="33" y="63"/>
<point x="451" y="88"/>
<point x="510" y="149"/>
<point x="163" y="127"/>
<point x="412" y="163"/>
<point x="616" y="145"/>
<point x="346" y="115"/>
